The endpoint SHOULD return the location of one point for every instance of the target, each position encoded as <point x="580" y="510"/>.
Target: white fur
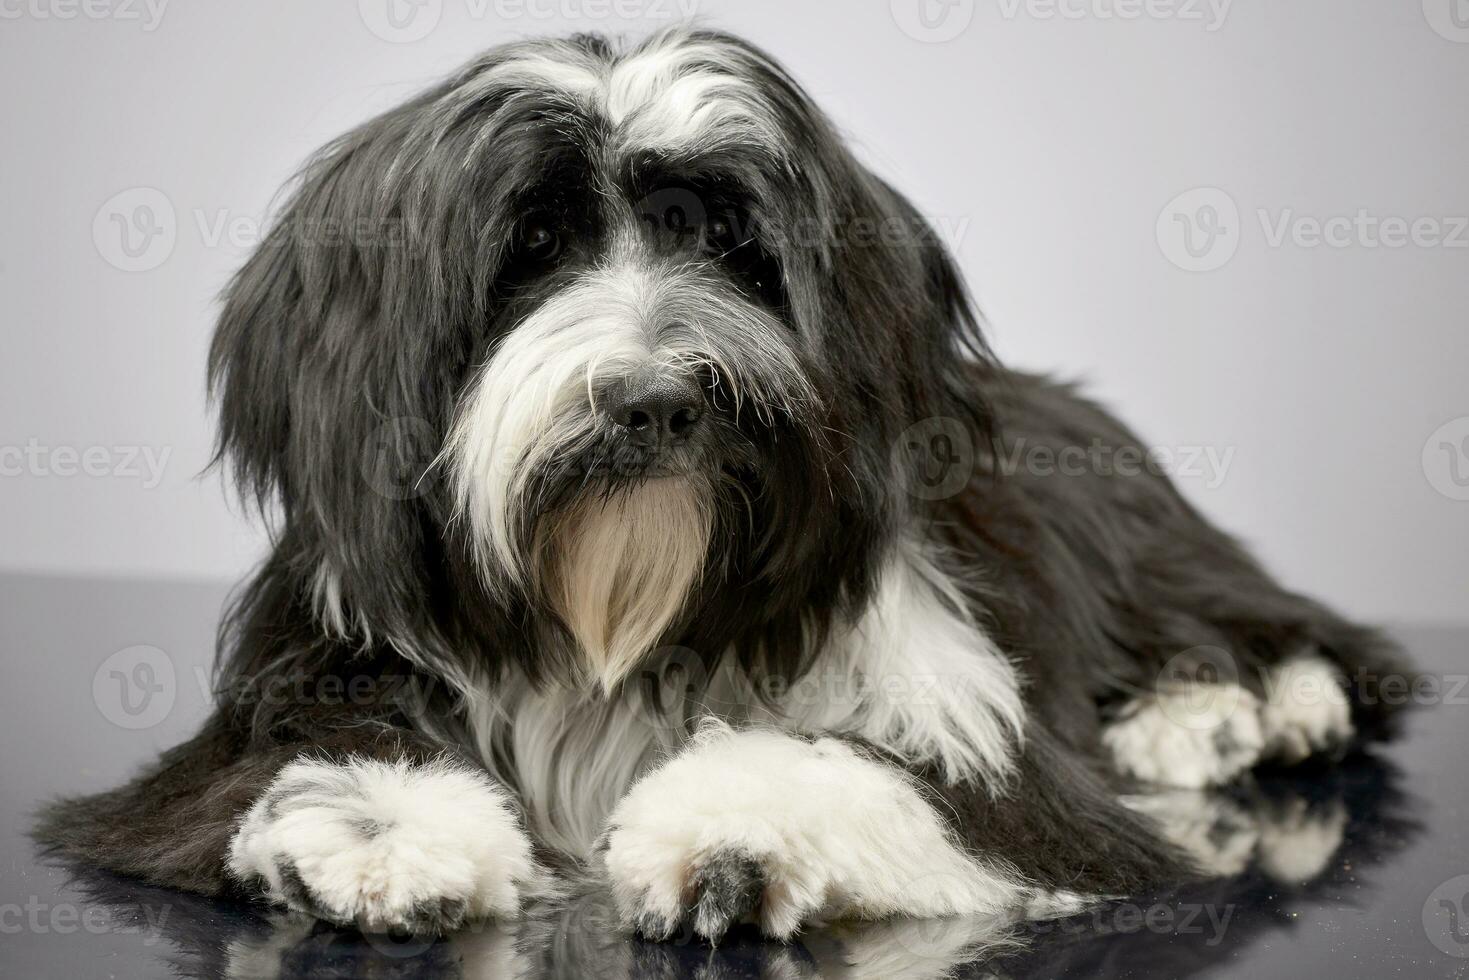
<point x="259" y="955"/>
<point x="897" y="949"/>
<point x="1297" y="843"/>
<point x="536" y="397"/>
<point x="836" y="834"/>
<point x="576" y="752"/>
<point x="1215" y="831"/>
<point x="674" y="93"/>
<point x="374" y="840"/>
<point x="918" y="676"/>
<point x="914" y="675"/>
<point x="535" y="401"/>
<point x="1291" y="842"/>
<point x="1189" y="736"/>
<point x="1306" y="708"/>
<point x="671" y="93"/>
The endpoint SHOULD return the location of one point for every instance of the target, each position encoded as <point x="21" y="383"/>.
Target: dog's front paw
<point x="788" y="832"/>
<point x="387" y="846"/>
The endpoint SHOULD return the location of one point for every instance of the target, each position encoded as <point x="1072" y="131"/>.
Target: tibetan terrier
<point x="642" y="514"/>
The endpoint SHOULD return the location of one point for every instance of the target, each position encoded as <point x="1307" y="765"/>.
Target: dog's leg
<point x="1306" y="709"/>
<point x="1139" y="583"/>
<point x="790" y="830"/>
<point x="1189" y="734"/>
<point x="1194" y="734"/>
<point x="386" y="846"/>
<point x="364" y="824"/>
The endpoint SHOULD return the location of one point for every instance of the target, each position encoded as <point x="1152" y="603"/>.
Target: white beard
<point x="619" y="570"/>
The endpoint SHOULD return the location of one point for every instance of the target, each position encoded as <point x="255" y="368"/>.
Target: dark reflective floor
<point x="1358" y="871"/>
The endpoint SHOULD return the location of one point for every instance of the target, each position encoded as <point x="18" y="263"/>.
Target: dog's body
<point x="612" y="413"/>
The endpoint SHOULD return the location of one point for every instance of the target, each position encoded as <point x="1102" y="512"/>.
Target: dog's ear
<point x="333" y="367"/>
<point x="863" y="272"/>
<point x="900" y="283"/>
<point x="871" y="285"/>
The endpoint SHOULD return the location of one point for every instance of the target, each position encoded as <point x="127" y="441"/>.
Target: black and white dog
<point x="608" y="412"/>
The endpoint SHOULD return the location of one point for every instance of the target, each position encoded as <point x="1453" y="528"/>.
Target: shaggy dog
<point x="638" y="478"/>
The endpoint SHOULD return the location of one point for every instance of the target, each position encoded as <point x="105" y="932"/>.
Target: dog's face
<point x="635" y="330"/>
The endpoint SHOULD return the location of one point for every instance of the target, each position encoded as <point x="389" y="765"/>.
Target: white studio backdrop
<point x="1245" y="224"/>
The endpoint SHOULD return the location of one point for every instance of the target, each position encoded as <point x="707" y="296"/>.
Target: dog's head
<point x="608" y="348"/>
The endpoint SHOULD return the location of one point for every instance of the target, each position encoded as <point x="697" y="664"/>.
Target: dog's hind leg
<point x="1203" y="664"/>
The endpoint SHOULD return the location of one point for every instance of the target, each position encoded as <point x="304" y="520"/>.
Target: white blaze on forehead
<point x="673" y="92"/>
<point x="679" y="92"/>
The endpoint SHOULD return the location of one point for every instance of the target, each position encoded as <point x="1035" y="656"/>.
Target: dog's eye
<point x="541" y="243"/>
<point x="722" y="234"/>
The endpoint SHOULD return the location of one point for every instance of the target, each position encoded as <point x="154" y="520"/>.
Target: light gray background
<point x="1048" y="141"/>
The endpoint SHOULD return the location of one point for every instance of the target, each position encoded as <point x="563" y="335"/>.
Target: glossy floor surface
<point x="1361" y="871"/>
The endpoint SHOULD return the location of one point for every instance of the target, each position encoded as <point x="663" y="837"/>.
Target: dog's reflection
<point x="1278" y="844"/>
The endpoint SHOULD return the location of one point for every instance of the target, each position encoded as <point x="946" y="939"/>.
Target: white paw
<point x="896" y="949"/>
<point x="1218" y="833"/>
<point x="1298" y="842"/>
<point x="387" y="846"/>
<point x="1189" y="736"/>
<point x="764" y="825"/>
<point x="1307" y="709"/>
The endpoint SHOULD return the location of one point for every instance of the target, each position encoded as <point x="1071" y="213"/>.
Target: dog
<point x="636" y="469"/>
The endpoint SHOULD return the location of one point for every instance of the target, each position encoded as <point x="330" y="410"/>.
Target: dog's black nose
<point x="659" y="411"/>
